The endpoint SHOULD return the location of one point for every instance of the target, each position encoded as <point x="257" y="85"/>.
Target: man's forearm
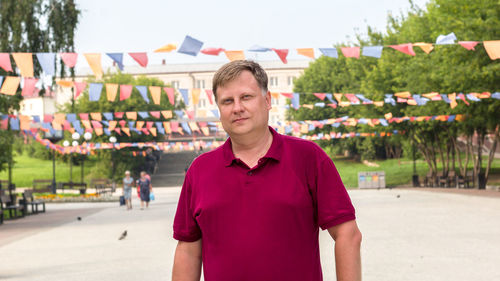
<point x="348" y="258"/>
<point x="187" y="266"/>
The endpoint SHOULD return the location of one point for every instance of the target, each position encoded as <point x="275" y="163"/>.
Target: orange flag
<point x="388" y="116"/>
<point x="112" y="125"/>
<point x="426" y="47"/>
<point x="453" y="100"/>
<point x="126" y="131"/>
<point x="132" y="115"/>
<point x="153" y="131"/>
<point x="196" y="95"/>
<point x="338" y="97"/>
<point x="167" y="114"/>
<point x="235" y="55"/>
<point x="378" y="103"/>
<point x="166" y="125"/>
<point x="10" y="85"/>
<point x="493" y="49"/>
<point x="155" y="93"/>
<point x="25" y="63"/>
<point x="96" y="116"/>
<point x="111" y="90"/>
<point x="65" y="83"/>
<point x="308" y="52"/>
<point x="94" y="61"/>
<point x="404" y="95"/>
<point x="139" y="125"/>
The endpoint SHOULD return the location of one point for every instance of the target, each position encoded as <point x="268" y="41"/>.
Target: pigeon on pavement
<point x="124" y="234"/>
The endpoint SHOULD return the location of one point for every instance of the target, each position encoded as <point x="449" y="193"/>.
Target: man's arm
<point x="347" y="250"/>
<point x="187" y="261"/>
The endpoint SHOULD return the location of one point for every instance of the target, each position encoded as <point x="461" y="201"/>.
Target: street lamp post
<point x="54" y="137"/>
<point x="87" y="136"/>
<point x="66" y="144"/>
<point x="113" y="140"/>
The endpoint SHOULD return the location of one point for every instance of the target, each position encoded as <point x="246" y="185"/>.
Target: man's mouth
<point x="239" y="120"/>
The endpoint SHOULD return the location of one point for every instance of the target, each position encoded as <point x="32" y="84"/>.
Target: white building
<point x="184" y="76"/>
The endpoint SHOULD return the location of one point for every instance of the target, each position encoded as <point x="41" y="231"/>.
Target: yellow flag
<point x="10" y="85"/>
<point x="94" y="61"/>
<point x="25" y="63"/>
<point x="493" y="49"/>
<point x="155" y="93"/>
<point x="112" y="125"/>
<point x="404" y="95"/>
<point x="65" y="83"/>
<point x="308" y="52"/>
<point x="338" y="97"/>
<point x="453" y="99"/>
<point x="167" y="48"/>
<point x="139" y="125"/>
<point x="235" y="55"/>
<point x="111" y="90"/>
<point x="378" y="103"/>
<point x="96" y="116"/>
<point x="195" y="93"/>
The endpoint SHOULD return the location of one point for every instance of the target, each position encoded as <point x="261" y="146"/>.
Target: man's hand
<point x="187" y="261"/>
<point x="347" y="250"/>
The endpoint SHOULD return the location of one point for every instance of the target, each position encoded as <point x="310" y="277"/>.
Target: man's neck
<point x="251" y="149"/>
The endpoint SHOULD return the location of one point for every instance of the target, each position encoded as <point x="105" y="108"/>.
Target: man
<point x="251" y="209"/>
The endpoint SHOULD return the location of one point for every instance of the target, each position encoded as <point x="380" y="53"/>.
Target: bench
<point x="450" y="180"/>
<point x="102" y="186"/>
<point x="4" y="184"/>
<point x="28" y="200"/>
<point x="429" y="179"/>
<point x="82" y="187"/>
<point x="7" y="204"/>
<point x="466" y="181"/>
<point x="41" y="186"/>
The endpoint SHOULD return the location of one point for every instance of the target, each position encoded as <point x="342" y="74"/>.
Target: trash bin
<point x="371" y="179"/>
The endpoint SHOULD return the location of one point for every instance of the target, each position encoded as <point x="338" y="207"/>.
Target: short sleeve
<point x="185" y="226"/>
<point x="332" y="200"/>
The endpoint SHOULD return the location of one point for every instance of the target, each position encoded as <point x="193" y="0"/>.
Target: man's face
<point x="243" y="108"/>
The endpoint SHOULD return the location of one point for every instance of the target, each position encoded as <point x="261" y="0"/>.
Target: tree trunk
<point x="496" y="136"/>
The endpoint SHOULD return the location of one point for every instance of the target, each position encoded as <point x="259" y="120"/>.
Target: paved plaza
<point x="408" y="234"/>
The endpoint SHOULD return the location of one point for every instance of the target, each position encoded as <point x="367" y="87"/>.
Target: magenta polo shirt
<point x="262" y="223"/>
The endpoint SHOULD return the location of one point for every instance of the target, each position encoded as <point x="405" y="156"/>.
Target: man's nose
<point x="237" y="106"/>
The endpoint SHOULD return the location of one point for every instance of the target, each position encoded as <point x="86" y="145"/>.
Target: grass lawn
<point x="397" y="171"/>
<point x="26" y="169"/>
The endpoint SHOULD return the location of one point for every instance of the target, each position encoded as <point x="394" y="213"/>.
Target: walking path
<point x="408" y="234"/>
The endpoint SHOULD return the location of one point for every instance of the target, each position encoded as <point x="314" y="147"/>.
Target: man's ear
<point x="268" y="100"/>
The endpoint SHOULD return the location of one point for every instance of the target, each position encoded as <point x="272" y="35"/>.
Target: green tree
<point x="32" y="26"/>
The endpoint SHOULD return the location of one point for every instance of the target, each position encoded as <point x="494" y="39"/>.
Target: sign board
<point x="371" y="179"/>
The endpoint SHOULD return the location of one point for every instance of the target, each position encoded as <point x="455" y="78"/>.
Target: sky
<point x="143" y="26"/>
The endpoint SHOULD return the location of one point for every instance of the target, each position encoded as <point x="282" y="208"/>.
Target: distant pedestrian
<point x="145" y="188"/>
<point x="128" y="182"/>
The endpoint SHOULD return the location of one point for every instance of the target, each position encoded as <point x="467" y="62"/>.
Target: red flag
<point x="79" y="87"/>
<point x="5" y="62"/>
<point x="170" y="94"/>
<point x="210" y="94"/>
<point x="212" y="51"/>
<point x="155" y="114"/>
<point x="190" y="114"/>
<point x="119" y="115"/>
<point x="287" y="95"/>
<point x="29" y="86"/>
<point x="350" y="52"/>
<point x="282" y="53"/>
<point x="84" y="116"/>
<point x="69" y="59"/>
<point x="140" y="58"/>
<point x="404" y="48"/>
<point x="320" y="96"/>
<point x="125" y="91"/>
<point x="469" y="45"/>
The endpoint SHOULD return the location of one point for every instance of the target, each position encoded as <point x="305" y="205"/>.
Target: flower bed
<point x="67" y="198"/>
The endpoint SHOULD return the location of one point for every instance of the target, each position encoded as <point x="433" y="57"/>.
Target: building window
<point x="273" y="81"/>
<point x="200" y="84"/>
<point x="175" y="84"/>
<point x="202" y="103"/>
<point x="275" y="101"/>
<point x="291" y="80"/>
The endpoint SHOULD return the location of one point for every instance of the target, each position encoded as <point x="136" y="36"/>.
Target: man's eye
<point x="226" y="101"/>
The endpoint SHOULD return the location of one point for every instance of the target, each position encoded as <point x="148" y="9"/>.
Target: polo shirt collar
<point x="274" y="152"/>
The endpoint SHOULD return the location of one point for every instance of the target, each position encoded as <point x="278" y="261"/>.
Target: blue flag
<point x="143" y="90"/>
<point x="118" y="58"/>
<point x="190" y="46"/>
<point x="372" y="51"/>
<point x="185" y="127"/>
<point x="257" y="48"/>
<point x="108" y="115"/>
<point x="95" y="91"/>
<point x="185" y="97"/>
<point x="329" y="52"/>
<point x="47" y="62"/>
<point x="296" y="100"/>
<point x="143" y="114"/>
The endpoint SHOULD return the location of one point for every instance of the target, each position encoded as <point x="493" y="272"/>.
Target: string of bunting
<point x="191" y="46"/>
<point x="11" y="84"/>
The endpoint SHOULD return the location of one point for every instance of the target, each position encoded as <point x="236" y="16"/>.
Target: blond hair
<point x="230" y="71"/>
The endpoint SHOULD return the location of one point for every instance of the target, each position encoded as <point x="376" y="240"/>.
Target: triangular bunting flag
<point x="29" y="87"/>
<point x="373" y="51"/>
<point x="329" y="52"/>
<point x="493" y="49"/>
<point x="155" y="94"/>
<point x="47" y="62"/>
<point x="190" y="46"/>
<point x="94" y="61"/>
<point x="5" y="62"/>
<point x="79" y="87"/>
<point x="10" y="85"/>
<point x="167" y="48"/>
<point x="111" y="90"/>
<point x="125" y="91"/>
<point x="469" y="45"/>
<point x="185" y="97"/>
<point x="140" y="58"/>
<point x="195" y="94"/>
<point x="95" y="91"/>
<point x="234" y="55"/>
<point x="212" y="51"/>
<point x="426" y="47"/>
<point x="446" y="39"/>
<point x="24" y="62"/>
<point x="69" y="59"/>
<point x="350" y="52"/>
<point x="210" y="94"/>
<point x="117" y="58"/>
<point x="308" y="52"/>
<point x="404" y="48"/>
<point x="282" y="54"/>
<point x="143" y="90"/>
<point x="170" y="94"/>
